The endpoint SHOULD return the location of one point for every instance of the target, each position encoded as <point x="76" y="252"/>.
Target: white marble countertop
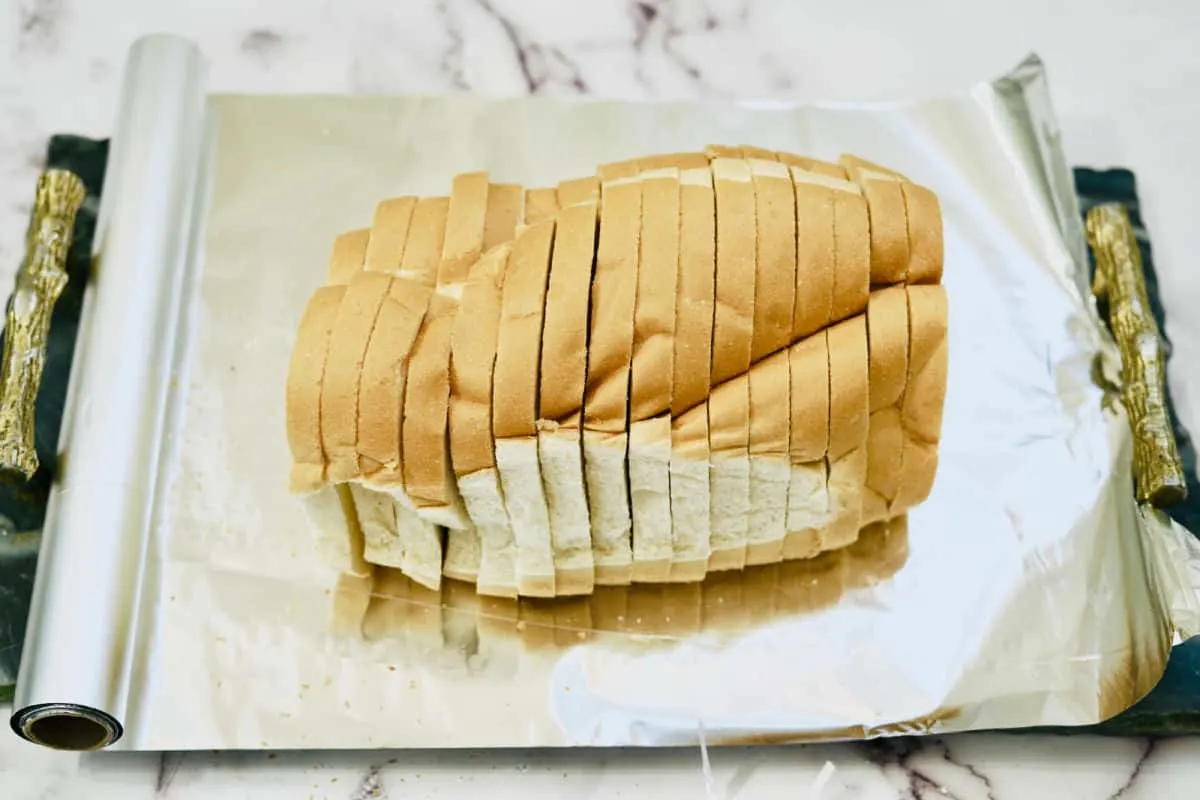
<point x="1124" y="82"/>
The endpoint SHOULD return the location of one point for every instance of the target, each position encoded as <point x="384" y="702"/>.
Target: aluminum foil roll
<point x="96" y="572"/>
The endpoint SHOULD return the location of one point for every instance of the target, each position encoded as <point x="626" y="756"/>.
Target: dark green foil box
<point x="1173" y="707"/>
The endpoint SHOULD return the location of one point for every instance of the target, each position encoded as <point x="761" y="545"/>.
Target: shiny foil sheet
<point x="1030" y="589"/>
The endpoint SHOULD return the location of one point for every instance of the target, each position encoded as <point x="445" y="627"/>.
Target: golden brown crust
<point x="925" y="242"/>
<point x="540" y="204"/>
<point x="518" y="349"/>
<point x="816" y="254"/>
<point x="808" y="365"/>
<point x="389" y="232"/>
<point x="472" y="362"/>
<point x="352" y="330"/>
<point x="614" y="299"/>
<point x="679" y="161"/>
<point x="578" y="190"/>
<point x="565" y="329"/>
<point x="733" y="320"/>
<point x="654" y="316"/>
<point x="775" y="269"/>
<point x="849" y="386"/>
<point x="749" y="151"/>
<point x="812" y="165"/>
<point x="697" y="288"/>
<point x="924" y="396"/>
<point x="423" y="246"/>
<point x="888" y="220"/>
<point x="715" y="151"/>
<point x="887" y="329"/>
<point x="855" y="259"/>
<point x="426" y="396"/>
<point x="504" y="204"/>
<point x="465" y="215"/>
<point x="305" y="372"/>
<point x="348" y="256"/>
<point x="379" y="393"/>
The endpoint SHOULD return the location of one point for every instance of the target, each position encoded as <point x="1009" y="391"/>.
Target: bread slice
<point x="563" y="382"/>
<point x="855" y="257"/>
<point x="775" y="263"/>
<point x="466" y="216"/>
<point x="352" y="330"/>
<point x="379" y="420"/>
<point x="888" y="219"/>
<point x="748" y="152"/>
<point x="366" y="524"/>
<point x="389" y="233"/>
<point x="578" y="190"/>
<point x="652" y="377"/>
<point x="733" y="333"/>
<point x="887" y="335"/>
<point x="465" y="546"/>
<point x="816" y="253"/>
<point x="423" y="246"/>
<point x="808" y="506"/>
<point x="428" y="473"/>
<point x="472" y="445"/>
<point x="331" y="510"/>
<point x="770" y="469"/>
<point x="925" y="394"/>
<point x="540" y="204"/>
<point x="775" y="289"/>
<point x="715" y="151"/>
<point x="696" y="290"/>
<point x="466" y="223"/>
<point x="925" y="244"/>
<point x="305" y="373"/>
<point x="849" y="414"/>
<point x="515" y="386"/>
<point x="349" y="252"/>
<point x="813" y="165"/>
<point x="606" y="401"/>
<point x="389" y="534"/>
<point x="505" y="202"/>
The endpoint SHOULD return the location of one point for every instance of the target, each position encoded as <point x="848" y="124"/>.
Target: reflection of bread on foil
<point x="689" y="363"/>
<point x="457" y="628"/>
